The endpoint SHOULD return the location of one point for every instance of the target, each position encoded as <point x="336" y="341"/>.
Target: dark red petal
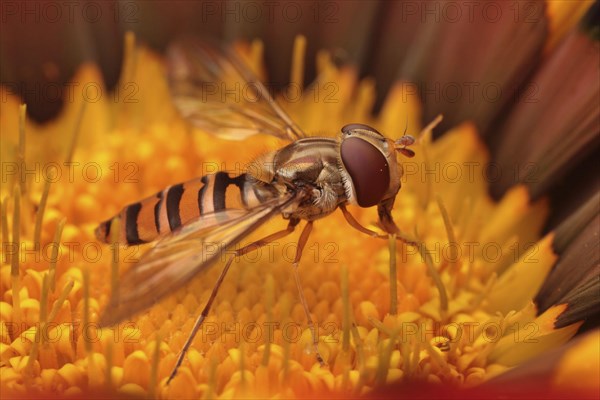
<point x="583" y="301"/>
<point x="575" y="276"/>
<point x="469" y="63"/>
<point x="556" y="126"/>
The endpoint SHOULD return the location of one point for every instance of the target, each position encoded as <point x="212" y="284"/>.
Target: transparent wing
<point x="180" y="256"/>
<point x="217" y="92"/>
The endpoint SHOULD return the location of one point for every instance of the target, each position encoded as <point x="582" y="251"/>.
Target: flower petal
<point x="547" y="375"/>
<point x="468" y="67"/>
<point x="575" y="277"/>
<point x="561" y="104"/>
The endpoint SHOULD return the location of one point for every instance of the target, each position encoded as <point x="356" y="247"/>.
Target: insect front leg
<point x="301" y="243"/>
<point x="357" y="225"/>
<point x="244" y="250"/>
<point x="386" y="222"/>
<point x="384" y="211"/>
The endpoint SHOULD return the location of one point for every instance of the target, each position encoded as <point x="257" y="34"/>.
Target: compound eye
<point x="368" y="168"/>
<point x="350" y="127"/>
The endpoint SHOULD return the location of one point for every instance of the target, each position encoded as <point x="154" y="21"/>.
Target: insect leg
<point x="357" y="225"/>
<point x="244" y="250"/>
<point x="301" y="243"/>
<point x="386" y="221"/>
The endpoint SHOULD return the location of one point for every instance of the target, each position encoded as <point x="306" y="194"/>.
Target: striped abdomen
<point x="167" y="210"/>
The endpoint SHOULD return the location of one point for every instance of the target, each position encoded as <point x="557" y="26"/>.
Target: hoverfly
<point x="306" y="180"/>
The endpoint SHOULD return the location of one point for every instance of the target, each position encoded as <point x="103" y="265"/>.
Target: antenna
<point x="405" y="140"/>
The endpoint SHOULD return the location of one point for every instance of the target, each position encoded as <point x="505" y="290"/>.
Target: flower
<point x="488" y="259"/>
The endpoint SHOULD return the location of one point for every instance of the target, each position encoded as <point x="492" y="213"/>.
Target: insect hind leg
<point x="244" y="250"/>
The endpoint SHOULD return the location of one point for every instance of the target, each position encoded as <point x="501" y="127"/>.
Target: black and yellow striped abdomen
<point x="167" y="210"/>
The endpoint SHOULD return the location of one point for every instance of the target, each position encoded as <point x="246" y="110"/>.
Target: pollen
<point x="448" y="302"/>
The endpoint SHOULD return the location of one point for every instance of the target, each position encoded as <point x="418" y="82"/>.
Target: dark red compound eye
<point x="368" y="169"/>
<point x="350" y="127"/>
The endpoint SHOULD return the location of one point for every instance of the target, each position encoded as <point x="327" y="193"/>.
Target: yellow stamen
<point x="125" y="119"/>
<point x="39" y="215"/>
<point x="430" y="126"/>
<point x="270" y="295"/>
<point x="359" y="347"/>
<point x="451" y="237"/>
<point x="426" y="139"/>
<point x="55" y="250"/>
<point x="16" y="258"/>
<point x="75" y="137"/>
<point x="414" y="356"/>
<point x="381" y="327"/>
<point x="433" y="273"/>
<point x="154" y="368"/>
<point x="393" y="276"/>
<point x="4" y="224"/>
<point x="130" y="57"/>
<point x="346" y="319"/>
<point x="40" y="333"/>
<point x="405" y="351"/>
<point x="384" y="360"/>
<point x="297" y="70"/>
<point x="61" y="299"/>
<point x="21" y="152"/>
<point x="286" y="306"/>
<point x="86" y="310"/>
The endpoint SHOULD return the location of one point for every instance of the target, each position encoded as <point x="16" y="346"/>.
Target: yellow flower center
<point x="458" y="312"/>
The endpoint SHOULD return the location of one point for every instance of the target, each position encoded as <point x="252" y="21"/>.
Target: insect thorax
<point x="312" y="164"/>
